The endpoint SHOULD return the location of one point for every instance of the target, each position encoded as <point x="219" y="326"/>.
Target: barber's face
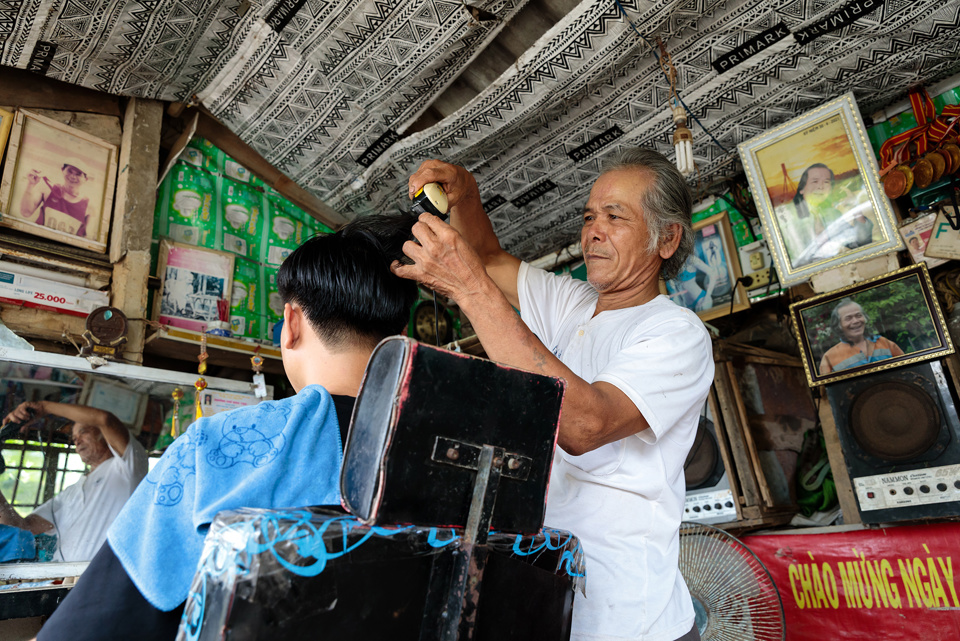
<point x="852" y="322"/>
<point x="614" y="234"/>
<point x="90" y="444"/>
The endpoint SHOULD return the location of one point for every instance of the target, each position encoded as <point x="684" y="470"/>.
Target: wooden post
<point x="734" y="431"/>
<point x="133" y="217"/>
<point x="741" y="410"/>
<point x="725" y="453"/>
<point x="841" y="477"/>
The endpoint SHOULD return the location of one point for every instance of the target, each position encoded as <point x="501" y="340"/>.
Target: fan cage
<point x="735" y="598"/>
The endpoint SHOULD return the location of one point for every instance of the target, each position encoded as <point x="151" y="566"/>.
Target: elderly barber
<point x="81" y="514"/>
<point x="637" y="366"/>
<point x="856" y="347"/>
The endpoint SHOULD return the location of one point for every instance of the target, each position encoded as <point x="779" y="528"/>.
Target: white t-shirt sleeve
<point x="546" y="299"/>
<point x="134" y="459"/>
<point x="665" y="373"/>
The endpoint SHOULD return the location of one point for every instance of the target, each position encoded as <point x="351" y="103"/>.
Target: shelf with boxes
<point x="219" y="237"/>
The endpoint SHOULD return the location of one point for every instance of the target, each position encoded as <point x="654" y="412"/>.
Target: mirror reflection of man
<point x="58" y="206"/>
<point x="81" y="514"/>
<point x="856" y="346"/>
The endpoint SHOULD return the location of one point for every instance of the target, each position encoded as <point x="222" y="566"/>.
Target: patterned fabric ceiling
<point x="326" y="89"/>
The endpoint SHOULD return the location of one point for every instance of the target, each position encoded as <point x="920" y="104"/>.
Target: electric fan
<point x="733" y="595"/>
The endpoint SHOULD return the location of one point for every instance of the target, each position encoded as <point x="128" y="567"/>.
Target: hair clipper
<point x="430" y="199"/>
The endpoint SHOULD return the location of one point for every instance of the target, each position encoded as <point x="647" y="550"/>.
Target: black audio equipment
<point x="900" y="437"/>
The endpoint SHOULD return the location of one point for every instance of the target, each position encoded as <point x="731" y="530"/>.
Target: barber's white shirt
<point x="82" y="513"/>
<point x="625" y="499"/>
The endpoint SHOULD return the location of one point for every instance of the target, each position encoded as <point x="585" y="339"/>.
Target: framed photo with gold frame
<point x="709" y="281"/>
<point x="815" y="182"/>
<point x="58" y="182"/>
<point x="6" y="122"/>
<point x="875" y="325"/>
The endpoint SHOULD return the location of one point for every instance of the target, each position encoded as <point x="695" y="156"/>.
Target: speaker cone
<point x="703" y="466"/>
<point x="895" y="421"/>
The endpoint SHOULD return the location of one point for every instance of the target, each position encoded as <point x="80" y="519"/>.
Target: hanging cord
<point x="436" y="319"/>
<point x="655" y="53"/>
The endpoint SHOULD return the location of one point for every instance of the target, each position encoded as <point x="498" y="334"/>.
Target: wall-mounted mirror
<point x="52" y="473"/>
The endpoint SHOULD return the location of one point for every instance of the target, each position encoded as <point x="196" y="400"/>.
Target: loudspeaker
<point x="709" y="498"/>
<point x="900" y="437"/>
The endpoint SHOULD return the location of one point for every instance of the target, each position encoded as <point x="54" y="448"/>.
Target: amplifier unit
<point x="900" y="437"/>
<point x="709" y="499"/>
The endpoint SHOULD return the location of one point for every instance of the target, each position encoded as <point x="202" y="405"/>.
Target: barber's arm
<point x="593" y="414"/>
<point x="114" y="432"/>
<point x="468" y="218"/>
<point x="32" y="522"/>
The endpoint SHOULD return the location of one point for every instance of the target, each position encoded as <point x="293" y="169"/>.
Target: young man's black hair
<point x="343" y="282"/>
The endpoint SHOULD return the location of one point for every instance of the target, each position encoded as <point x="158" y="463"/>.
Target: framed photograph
<point x="879" y="324"/>
<point x="125" y="403"/>
<point x="6" y="122"/>
<point x="192" y="281"/>
<point x="944" y="240"/>
<point x="916" y="234"/>
<point x="708" y="282"/>
<point x="58" y="182"/>
<point x="815" y="183"/>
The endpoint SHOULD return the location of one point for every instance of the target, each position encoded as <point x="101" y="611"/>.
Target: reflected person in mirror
<point x="80" y="515"/>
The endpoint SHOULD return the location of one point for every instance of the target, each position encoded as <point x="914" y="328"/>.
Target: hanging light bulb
<point x="683" y="141"/>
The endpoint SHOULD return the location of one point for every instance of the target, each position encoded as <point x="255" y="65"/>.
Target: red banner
<point x="891" y="583"/>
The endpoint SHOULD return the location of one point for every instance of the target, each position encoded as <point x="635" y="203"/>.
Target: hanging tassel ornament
<point x="177" y="395"/>
<point x="259" y="382"/>
<point x="683" y="141"/>
<point x="201" y="384"/>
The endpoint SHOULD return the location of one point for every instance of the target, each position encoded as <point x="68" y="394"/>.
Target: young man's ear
<point x="292" y="329"/>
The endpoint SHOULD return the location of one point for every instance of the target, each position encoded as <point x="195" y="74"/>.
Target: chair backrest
<point x="421" y="418"/>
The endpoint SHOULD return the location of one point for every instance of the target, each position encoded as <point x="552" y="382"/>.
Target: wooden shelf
<point x="228" y="352"/>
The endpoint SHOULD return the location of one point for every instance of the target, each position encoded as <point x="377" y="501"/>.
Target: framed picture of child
<point x="58" y="182"/>
<point x="816" y="186"/>
<point x="709" y="281"/>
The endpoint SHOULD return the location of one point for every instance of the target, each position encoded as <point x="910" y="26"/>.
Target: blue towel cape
<point x="276" y="454"/>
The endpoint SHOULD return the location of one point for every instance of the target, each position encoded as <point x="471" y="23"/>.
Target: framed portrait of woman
<point x="818" y="192"/>
<point x="709" y="281"/>
<point x="878" y="324"/>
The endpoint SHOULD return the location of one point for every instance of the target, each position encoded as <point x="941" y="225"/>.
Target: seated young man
<point x="340" y="300"/>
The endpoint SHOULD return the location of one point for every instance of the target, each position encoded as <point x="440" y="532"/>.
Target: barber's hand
<point x="443" y="261"/>
<point x="23" y="415"/>
<point x="458" y="184"/>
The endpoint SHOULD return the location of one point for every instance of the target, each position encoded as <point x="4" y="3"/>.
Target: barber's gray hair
<point x="666" y="203"/>
<point x="835" y="314"/>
